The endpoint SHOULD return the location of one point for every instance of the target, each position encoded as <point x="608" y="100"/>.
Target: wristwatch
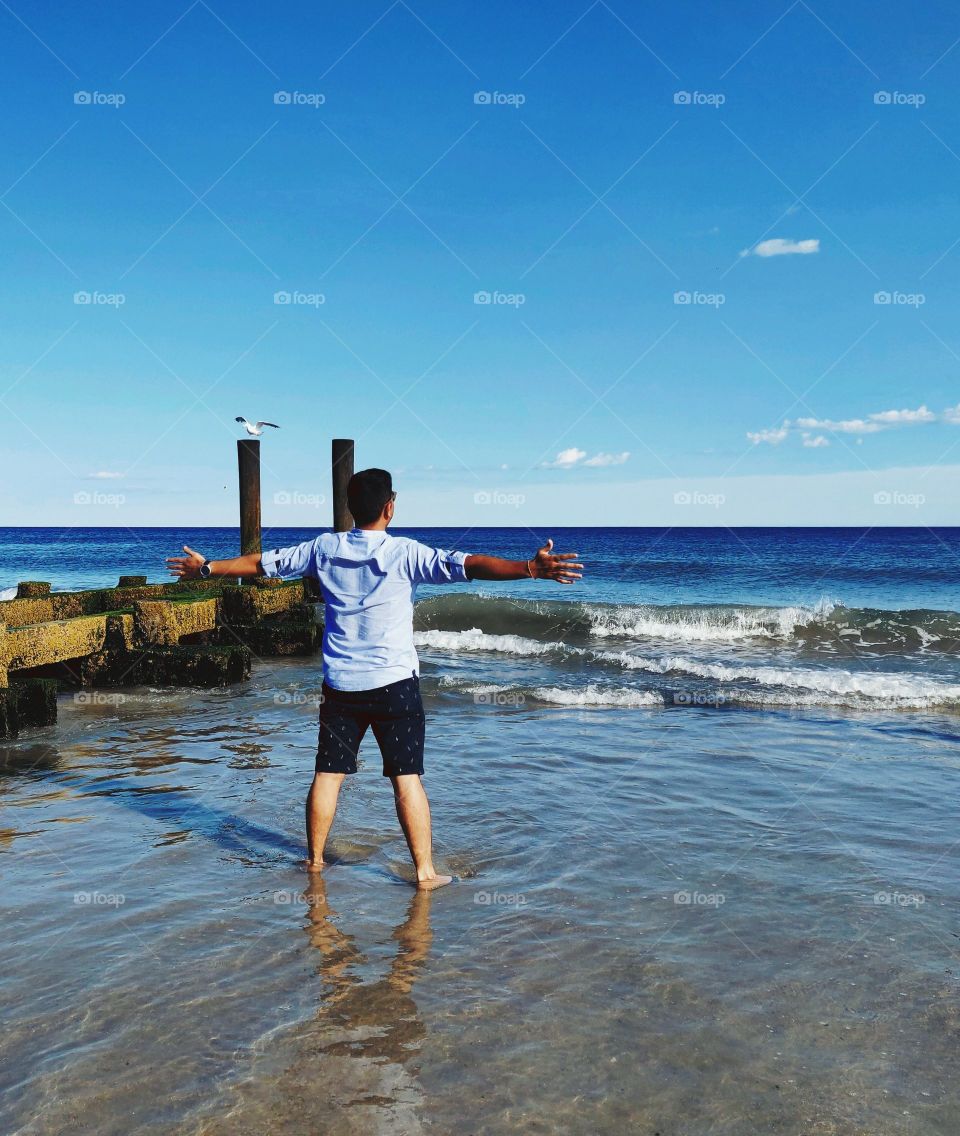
<point x="205" y="570"/>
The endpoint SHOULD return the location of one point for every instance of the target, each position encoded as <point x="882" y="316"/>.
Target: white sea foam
<point x="811" y="683"/>
<point x="8" y="593"/>
<point x="704" y="624"/>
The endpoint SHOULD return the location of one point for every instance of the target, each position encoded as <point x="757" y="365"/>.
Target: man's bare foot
<point x="314" y="865"/>
<point x="430" y="883"/>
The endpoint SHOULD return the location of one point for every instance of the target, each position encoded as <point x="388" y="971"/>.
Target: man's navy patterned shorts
<point x="394" y="713"/>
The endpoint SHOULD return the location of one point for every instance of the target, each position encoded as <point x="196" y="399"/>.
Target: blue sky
<point x="682" y="217"/>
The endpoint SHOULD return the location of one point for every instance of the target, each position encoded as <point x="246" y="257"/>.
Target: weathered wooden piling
<point x="341" y="456"/>
<point x="248" y="466"/>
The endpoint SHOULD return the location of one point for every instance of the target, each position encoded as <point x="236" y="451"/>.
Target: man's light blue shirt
<point x="369" y="580"/>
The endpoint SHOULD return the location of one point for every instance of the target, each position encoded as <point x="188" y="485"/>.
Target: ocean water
<point x="701" y="808"/>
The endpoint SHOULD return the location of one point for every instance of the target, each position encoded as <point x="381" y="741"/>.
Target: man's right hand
<point x="559" y="566"/>
<point x="186" y="567"/>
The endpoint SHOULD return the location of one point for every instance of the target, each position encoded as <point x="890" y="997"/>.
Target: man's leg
<point x="413" y="812"/>
<point x="321" y="808"/>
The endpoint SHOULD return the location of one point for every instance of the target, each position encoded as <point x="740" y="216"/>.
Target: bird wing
<point x="273" y="424"/>
<point x="243" y="420"/>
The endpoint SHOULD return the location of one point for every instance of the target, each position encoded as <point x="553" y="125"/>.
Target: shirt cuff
<point x="457" y="563"/>
<point x="268" y="561"/>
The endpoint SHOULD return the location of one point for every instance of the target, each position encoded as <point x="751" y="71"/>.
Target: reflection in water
<point x="373" y="1019"/>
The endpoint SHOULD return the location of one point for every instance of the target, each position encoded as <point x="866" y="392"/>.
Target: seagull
<point x="255" y="429"/>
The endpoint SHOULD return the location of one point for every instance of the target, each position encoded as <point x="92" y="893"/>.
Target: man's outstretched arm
<point x="188" y="567"/>
<point x="546" y="565"/>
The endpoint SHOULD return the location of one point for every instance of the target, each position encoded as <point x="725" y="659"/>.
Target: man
<point x="370" y="667"/>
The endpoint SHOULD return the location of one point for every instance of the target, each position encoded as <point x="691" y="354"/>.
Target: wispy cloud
<point x="566" y="459"/>
<point x="808" y="428"/>
<point x="608" y="459"/>
<point x="104" y="475"/>
<point x="781" y="246"/>
<point x="773" y="437"/>
<point x="573" y="456"/>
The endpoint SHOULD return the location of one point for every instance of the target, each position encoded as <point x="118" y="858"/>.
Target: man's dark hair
<point x="367" y="493"/>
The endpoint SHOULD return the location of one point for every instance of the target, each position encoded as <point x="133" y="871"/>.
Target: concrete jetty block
<point x="131" y="581"/>
<point x="32" y="589"/>
<point x="245" y="605"/>
<point x="192" y="665"/>
<point x="41" y="644"/>
<point x="16" y="613"/>
<point x="164" y="623"/>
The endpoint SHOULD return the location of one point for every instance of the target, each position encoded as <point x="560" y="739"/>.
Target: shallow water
<point x="673" y="920"/>
<point x="702" y="816"/>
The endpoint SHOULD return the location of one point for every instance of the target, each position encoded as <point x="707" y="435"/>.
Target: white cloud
<point x="566" y="459"/>
<point x="607" y="459"/>
<point x="872" y="424"/>
<point x="846" y="426"/>
<point x="104" y="475"/>
<point x="898" y="417"/>
<point x="781" y="246"/>
<point x="573" y="456"/>
<point x="774" y="437"/>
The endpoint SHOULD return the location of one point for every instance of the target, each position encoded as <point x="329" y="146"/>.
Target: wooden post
<point x="248" y="464"/>
<point x="341" y="456"/>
